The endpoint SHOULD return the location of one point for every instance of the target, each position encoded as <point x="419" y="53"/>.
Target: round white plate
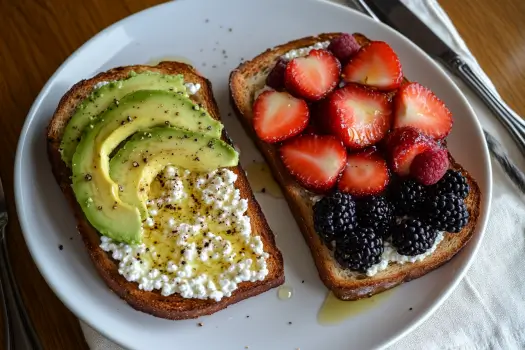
<point x="215" y="36"/>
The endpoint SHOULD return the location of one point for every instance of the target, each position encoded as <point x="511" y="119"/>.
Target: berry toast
<point x="360" y="154"/>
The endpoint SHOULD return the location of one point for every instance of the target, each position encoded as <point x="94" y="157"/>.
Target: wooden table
<point x="36" y="36"/>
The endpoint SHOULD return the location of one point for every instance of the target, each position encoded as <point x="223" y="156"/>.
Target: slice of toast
<point x="245" y="81"/>
<point x="174" y="306"/>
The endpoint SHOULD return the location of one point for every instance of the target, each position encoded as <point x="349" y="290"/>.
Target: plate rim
<point x="82" y="315"/>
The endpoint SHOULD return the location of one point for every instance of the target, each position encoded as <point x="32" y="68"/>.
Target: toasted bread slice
<point x="347" y="285"/>
<point x="174" y="306"/>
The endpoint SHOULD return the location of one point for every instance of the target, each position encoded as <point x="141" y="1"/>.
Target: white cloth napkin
<point x="485" y="311"/>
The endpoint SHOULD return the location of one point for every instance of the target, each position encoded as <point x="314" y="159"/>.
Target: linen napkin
<point x="484" y="311"/>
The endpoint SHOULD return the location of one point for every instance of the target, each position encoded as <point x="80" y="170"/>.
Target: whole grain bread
<point x="174" y="306"/>
<point x="245" y="81"/>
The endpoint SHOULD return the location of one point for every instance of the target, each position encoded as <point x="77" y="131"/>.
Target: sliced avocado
<point x="137" y="164"/>
<point x="97" y="194"/>
<point x="102" y="97"/>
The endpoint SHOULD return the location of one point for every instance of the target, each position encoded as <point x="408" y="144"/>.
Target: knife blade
<point x="399" y="17"/>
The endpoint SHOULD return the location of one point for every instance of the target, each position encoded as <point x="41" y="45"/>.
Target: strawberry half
<point x="375" y="65"/>
<point x="360" y="117"/>
<point x="315" y="161"/>
<point x="417" y="106"/>
<point x="403" y="145"/>
<point x="365" y="174"/>
<point x="278" y="116"/>
<point x="312" y="77"/>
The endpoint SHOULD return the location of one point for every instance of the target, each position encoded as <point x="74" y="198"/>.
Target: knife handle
<point x="514" y="125"/>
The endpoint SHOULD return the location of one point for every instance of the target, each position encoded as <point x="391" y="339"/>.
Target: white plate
<point x="200" y="30"/>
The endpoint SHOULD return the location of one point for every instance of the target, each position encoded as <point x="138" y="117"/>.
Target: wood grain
<point x="38" y="35"/>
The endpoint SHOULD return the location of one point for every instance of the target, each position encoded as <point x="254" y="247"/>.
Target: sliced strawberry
<point x="359" y="116"/>
<point x="403" y="145"/>
<point x="365" y="174"/>
<point x="312" y="77"/>
<point x="278" y="116"/>
<point x="375" y="65"/>
<point x="417" y="106"/>
<point x="315" y="161"/>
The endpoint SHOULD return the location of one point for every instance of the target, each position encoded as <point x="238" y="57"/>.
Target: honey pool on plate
<point x="334" y="311"/>
<point x="261" y="179"/>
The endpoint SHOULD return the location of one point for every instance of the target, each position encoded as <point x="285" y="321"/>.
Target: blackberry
<point x="453" y="182"/>
<point x="377" y="213"/>
<point x="360" y="249"/>
<point x="446" y="212"/>
<point x="408" y="197"/>
<point x="413" y="237"/>
<point x="334" y="215"/>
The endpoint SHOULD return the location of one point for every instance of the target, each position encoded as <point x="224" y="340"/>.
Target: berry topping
<point x="413" y="237"/>
<point x="334" y="216"/>
<point x="315" y="161"/>
<point x="452" y="183"/>
<point x="375" y="65"/>
<point x="314" y="76"/>
<point x="403" y="145"/>
<point x="278" y="116"/>
<point x="359" y="116"/>
<point x="446" y="213"/>
<point x="343" y="47"/>
<point x="365" y="174"/>
<point x="430" y="166"/>
<point x="276" y="77"/>
<point x="408" y="197"/>
<point x="359" y="250"/>
<point x="377" y="213"/>
<point x="417" y="106"/>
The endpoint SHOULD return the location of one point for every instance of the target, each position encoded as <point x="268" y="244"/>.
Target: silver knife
<point x="399" y="17"/>
<point x="18" y="331"/>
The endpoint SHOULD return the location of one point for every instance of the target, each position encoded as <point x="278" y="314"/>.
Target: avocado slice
<point x="102" y="97"/>
<point x="96" y="193"/>
<point x="135" y="166"/>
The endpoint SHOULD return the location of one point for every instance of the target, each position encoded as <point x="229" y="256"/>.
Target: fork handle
<point x="514" y="125"/>
<point x="19" y="333"/>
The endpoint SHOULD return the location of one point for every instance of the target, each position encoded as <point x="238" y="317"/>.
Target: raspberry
<point x="276" y="77"/>
<point x="343" y="47"/>
<point x="430" y="166"/>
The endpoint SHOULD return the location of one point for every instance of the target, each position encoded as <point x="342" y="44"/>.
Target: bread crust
<point x="174" y="306"/>
<point x="245" y="80"/>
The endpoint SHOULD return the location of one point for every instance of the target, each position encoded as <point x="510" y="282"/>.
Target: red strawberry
<point x="430" y="166"/>
<point x="417" y="106"/>
<point x="360" y="117"/>
<point x="375" y="65"/>
<point x="315" y="161"/>
<point x="365" y="174"/>
<point x="314" y="76"/>
<point x="403" y="145"/>
<point x="278" y="116"/>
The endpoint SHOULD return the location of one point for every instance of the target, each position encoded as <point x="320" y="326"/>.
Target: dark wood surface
<point x="37" y="36"/>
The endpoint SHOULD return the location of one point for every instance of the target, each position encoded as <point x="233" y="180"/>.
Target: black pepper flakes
<point x="289" y="322"/>
<point x="129" y="118"/>
<point x="302" y="281"/>
<point x="167" y="123"/>
<point x="410" y="309"/>
<point x="200" y="324"/>
<point x="61" y="247"/>
<point x="183" y="262"/>
<point x="263" y="190"/>
<point x="135" y="164"/>
<point x="120" y="188"/>
<point x="145" y="160"/>
<point x="99" y="207"/>
<point x="88" y="177"/>
<point x="230" y="29"/>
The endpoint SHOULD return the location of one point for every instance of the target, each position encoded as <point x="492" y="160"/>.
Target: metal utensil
<point x="495" y="148"/>
<point x="18" y="331"/>
<point x="396" y="15"/>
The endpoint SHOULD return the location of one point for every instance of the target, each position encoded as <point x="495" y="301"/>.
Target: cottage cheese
<point x="192" y="88"/>
<point x="390" y="254"/>
<point x="198" y="243"/>
<point x="303" y="51"/>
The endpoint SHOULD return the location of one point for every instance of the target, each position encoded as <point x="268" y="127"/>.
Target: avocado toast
<point x="331" y="116"/>
<point x="162" y="204"/>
